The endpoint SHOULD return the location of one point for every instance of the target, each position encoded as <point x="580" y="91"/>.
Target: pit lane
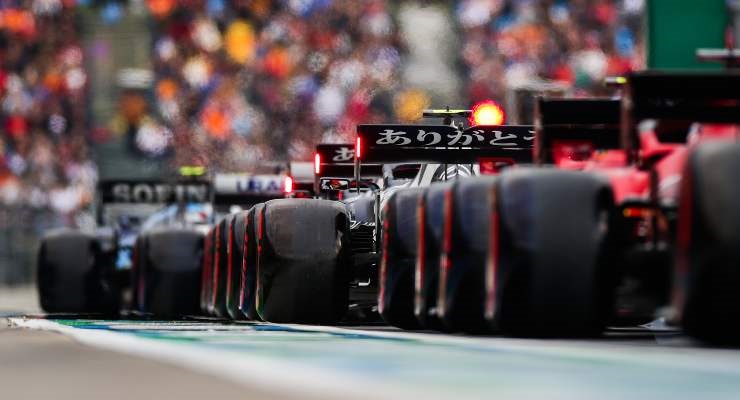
<point x="380" y="362"/>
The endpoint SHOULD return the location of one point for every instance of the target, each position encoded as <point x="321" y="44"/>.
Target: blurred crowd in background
<point x="45" y="160"/>
<point x="243" y="82"/>
<point x="234" y="84"/>
<point x="506" y="43"/>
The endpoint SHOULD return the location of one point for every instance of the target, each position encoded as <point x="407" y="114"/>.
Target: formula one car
<point x="447" y="250"/>
<point x="316" y="259"/>
<point x="592" y="240"/>
<point x="156" y="253"/>
<point x="414" y="236"/>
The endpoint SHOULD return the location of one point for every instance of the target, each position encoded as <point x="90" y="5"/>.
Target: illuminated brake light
<point x="358" y="148"/>
<point x="317" y="163"/>
<point x="572" y="150"/>
<point x="487" y="113"/>
<point x="637" y="212"/>
<point x="288" y="184"/>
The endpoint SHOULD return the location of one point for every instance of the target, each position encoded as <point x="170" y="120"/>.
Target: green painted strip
<point x="460" y="367"/>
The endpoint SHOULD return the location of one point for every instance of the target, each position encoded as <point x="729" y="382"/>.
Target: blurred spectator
<point x="44" y="157"/>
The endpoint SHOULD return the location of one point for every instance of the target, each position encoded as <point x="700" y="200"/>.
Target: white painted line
<point x="712" y="360"/>
<point x="268" y="375"/>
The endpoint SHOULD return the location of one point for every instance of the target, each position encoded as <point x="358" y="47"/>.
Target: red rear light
<point x="637" y="212"/>
<point x="358" y="147"/>
<point x="317" y="163"/>
<point x="494" y="165"/>
<point x="288" y="184"/>
<point x="487" y="113"/>
<point x="571" y="150"/>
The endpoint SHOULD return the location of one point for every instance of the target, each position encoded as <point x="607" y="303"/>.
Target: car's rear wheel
<point x="465" y="254"/>
<point x="551" y="272"/>
<point x="235" y="251"/>
<point x="398" y="258"/>
<point x="171" y="272"/>
<point x="304" y="263"/>
<point x="207" y="272"/>
<point x="74" y="276"/>
<point x="220" y="266"/>
<point x="138" y="264"/>
<point x="429" y="246"/>
<point x="247" y="299"/>
<point x="708" y="265"/>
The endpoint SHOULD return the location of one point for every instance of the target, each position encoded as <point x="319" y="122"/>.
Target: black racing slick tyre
<point x="708" y="262"/>
<point x="138" y="262"/>
<point x="398" y="258"/>
<point x="235" y="251"/>
<point x="304" y="263"/>
<point x="552" y="271"/>
<point x="73" y="277"/>
<point x="465" y="253"/>
<point x="206" y="287"/>
<point x="247" y="297"/>
<point x="220" y="265"/>
<point x="429" y="246"/>
<point x="171" y="273"/>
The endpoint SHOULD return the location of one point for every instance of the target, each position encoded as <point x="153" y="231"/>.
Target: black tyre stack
<point x="398" y="258"/>
<point x="467" y="224"/>
<point x="429" y="242"/>
<point x="302" y="261"/>
<point x="73" y="276"/>
<point x="554" y="268"/>
<point x="170" y="269"/>
<point x="708" y="266"/>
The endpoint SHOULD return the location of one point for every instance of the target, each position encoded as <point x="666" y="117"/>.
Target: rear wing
<point x="443" y="143"/>
<point x="595" y="121"/>
<point x="678" y="96"/>
<point x="151" y="192"/>
<point x="247" y="189"/>
<point x="154" y="191"/>
<point x="338" y="161"/>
